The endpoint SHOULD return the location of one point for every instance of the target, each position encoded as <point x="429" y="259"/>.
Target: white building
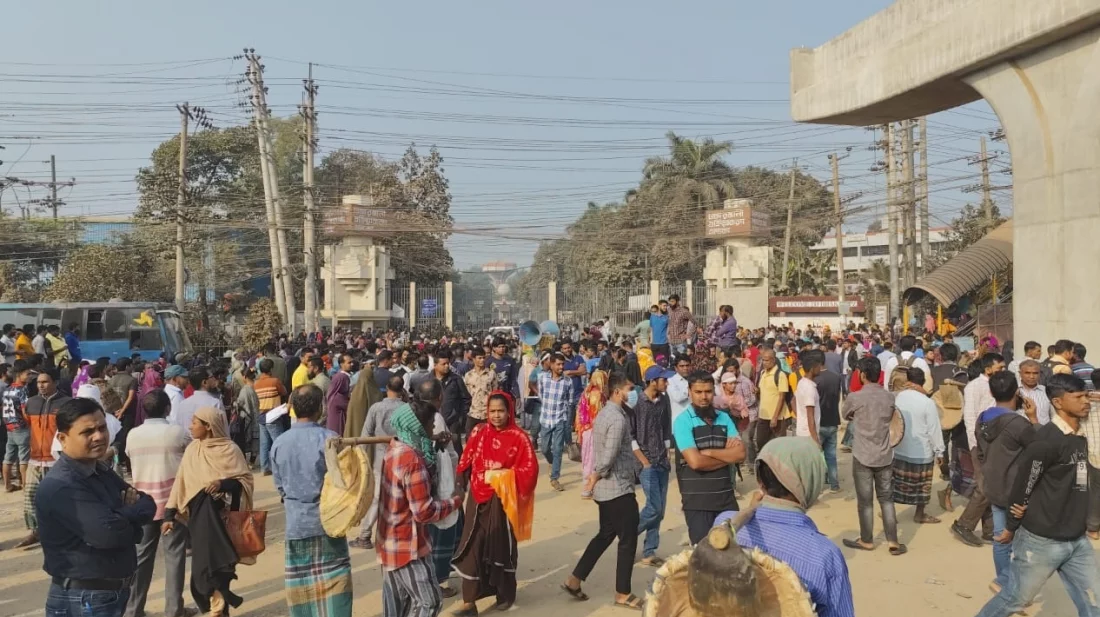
<point x="861" y="249"/>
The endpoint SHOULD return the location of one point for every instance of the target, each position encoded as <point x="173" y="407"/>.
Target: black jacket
<point x="1054" y="484"/>
<point x="455" y="404"/>
<point x="1001" y="441"/>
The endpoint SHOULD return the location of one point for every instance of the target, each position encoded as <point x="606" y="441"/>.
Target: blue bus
<point x="109" y="329"/>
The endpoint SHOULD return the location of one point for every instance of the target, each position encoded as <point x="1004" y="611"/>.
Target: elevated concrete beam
<point x="911" y="59"/>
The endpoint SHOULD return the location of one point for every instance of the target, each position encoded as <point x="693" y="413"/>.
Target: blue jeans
<point x="1034" y="560"/>
<point x="553" y="442"/>
<point x="62" y="602"/>
<point x="1002" y="553"/>
<point x="531" y="409"/>
<point x="654" y="482"/>
<point x="268" y="434"/>
<point x="827" y="435"/>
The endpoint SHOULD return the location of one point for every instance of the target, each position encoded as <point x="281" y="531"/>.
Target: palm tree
<point x="694" y="171"/>
<point x="874" y="285"/>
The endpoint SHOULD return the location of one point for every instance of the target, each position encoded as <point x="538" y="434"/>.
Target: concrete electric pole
<point x="987" y="198"/>
<point x="282" y="283"/>
<point x="309" y="240"/>
<point x="892" y="221"/>
<point x="181" y="196"/>
<point x="787" y="234"/>
<point x="909" y="203"/>
<point x="835" y="160"/>
<point x="925" y="246"/>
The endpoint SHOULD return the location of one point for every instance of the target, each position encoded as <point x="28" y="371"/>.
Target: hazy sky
<point x="537" y="109"/>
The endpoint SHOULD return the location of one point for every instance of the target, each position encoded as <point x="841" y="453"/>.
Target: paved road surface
<point x="939" y="576"/>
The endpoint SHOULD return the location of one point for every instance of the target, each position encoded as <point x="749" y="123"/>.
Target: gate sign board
<point x="736" y="222"/>
<point x="811" y="304"/>
<point x="429" y="307"/>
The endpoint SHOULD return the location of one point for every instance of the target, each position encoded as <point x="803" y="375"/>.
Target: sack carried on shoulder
<point x="246" y="529"/>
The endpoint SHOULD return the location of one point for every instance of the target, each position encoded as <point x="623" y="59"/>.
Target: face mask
<point x="632" y="398"/>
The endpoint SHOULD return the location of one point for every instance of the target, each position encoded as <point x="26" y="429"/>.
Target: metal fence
<point x="430" y="304"/>
<point x="399" y="305"/>
<point x="705" y="303"/>
<point x="473" y="308"/>
<point x="586" y="305"/>
<point x="995" y="318"/>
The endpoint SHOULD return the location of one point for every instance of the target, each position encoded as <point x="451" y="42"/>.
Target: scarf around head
<point x="216" y="457"/>
<point x="798" y="464"/>
<point x="407" y="428"/>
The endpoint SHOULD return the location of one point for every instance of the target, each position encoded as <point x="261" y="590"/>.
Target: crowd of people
<point x="116" y="458"/>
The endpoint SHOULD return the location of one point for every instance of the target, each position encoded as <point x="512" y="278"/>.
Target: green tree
<point x="262" y="324"/>
<point x="102" y="272"/>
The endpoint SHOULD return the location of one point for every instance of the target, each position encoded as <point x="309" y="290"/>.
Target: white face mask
<point x="632" y="398"/>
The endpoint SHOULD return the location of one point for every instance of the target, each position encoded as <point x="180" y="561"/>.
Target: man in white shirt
<point x="8" y="341"/>
<point x="678" y="394"/>
<point x="908" y="344"/>
<point x="156" y="449"/>
<point x="175" y="380"/>
<point x="807" y="403"/>
<point x="1029" y="371"/>
<point x="39" y="341"/>
<point x="207" y="393"/>
<point x="976" y="399"/>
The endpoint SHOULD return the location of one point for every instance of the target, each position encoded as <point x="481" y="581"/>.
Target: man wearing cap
<point x="652" y="432"/>
<point x="175" y="380"/>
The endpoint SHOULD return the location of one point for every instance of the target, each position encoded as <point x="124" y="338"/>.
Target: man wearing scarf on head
<point x="791" y="472"/>
<point x="409" y="585"/>
<point x="503" y="473"/>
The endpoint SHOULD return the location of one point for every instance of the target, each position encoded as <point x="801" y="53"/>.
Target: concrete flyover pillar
<point x="552" y="301"/>
<point x="449" y="304"/>
<point x="654" y="293"/>
<point x="689" y="297"/>
<point x="1047" y="102"/>
<point x="413" y="310"/>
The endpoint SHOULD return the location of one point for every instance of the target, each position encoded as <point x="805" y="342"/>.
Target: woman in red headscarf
<point x="503" y="471"/>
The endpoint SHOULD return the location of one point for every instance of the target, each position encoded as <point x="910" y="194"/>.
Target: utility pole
<point x="987" y="198"/>
<point x="787" y="234"/>
<point x="892" y="221"/>
<point x="280" y="262"/>
<point x="53" y="184"/>
<point x="910" y="203"/>
<point x="308" y="223"/>
<point x="181" y="196"/>
<point x="839" y="227"/>
<point x="925" y="241"/>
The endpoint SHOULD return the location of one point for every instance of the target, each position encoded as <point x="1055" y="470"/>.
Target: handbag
<point x="246" y="529"/>
<point x="573" y="450"/>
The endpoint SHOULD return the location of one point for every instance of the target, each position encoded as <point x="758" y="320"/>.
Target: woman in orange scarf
<point x="592" y="401"/>
<point x="500" y="508"/>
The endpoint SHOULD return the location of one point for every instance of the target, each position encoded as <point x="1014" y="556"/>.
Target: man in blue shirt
<point x="313" y="558"/>
<point x="658" y="331"/>
<point x="707" y="446"/>
<point x="791" y="473"/>
<point x="89" y="519"/>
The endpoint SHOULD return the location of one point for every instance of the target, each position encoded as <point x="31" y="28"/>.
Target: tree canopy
<point x="656" y="232"/>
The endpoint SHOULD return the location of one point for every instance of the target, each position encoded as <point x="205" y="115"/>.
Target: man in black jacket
<point x="1003" y="434"/>
<point x="1049" y="510"/>
<point x="456" y="398"/>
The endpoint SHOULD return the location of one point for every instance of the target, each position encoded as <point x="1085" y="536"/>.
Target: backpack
<point x="949" y="402"/>
<point x="899" y="376"/>
<point x="788" y="396"/>
<point x="1046" y="371"/>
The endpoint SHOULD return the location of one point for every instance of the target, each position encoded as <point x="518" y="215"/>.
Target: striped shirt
<point x="791" y="537"/>
<point x="270" y="391"/>
<point x="557" y="397"/>
<point x="156" y="449"/>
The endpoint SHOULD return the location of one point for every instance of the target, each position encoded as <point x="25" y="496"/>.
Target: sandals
<point x="856" y="545"/>
<point x="898" y="550"/>
<point x="652" y="562"/>
<point x="578" y="594"/>
<point x="632" y="602"/>
<point x="554" y="484"/>
<point x="466" y="612"/>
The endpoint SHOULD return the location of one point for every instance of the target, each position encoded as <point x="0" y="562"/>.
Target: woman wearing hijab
<point x="212" y="477"/>
<point x="591" y="402"/>
<point x="791" y="472"/>
<point x="150" y="379"/>
<point x="364" y="394"/>
<point x="503" y="473"/>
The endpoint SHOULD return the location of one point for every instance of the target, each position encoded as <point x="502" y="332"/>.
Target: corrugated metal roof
<point x="967" y="270"/>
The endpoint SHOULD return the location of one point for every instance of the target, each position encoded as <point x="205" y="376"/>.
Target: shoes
<point x="965" y="536"/>
<point x="267" y="473"/>
<point x="554" y="484"/>
<point x="362" y="543"/>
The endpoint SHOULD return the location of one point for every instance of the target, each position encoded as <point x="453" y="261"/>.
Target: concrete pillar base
<point x="1047" y="103"/>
